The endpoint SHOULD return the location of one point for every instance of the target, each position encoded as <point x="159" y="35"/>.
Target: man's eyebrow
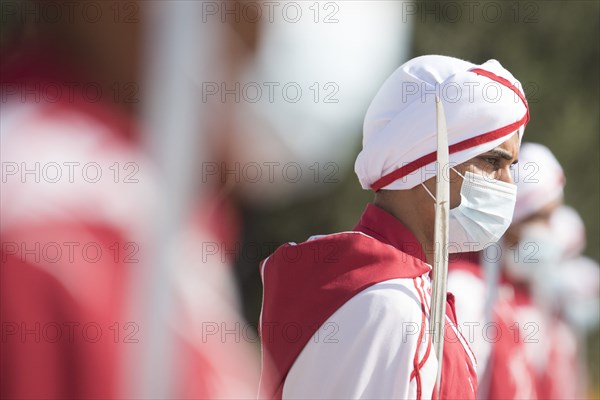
<point x="498" y="152"/>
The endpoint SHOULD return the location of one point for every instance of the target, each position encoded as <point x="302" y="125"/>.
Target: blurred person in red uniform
<point x="576" y="283"/>
<point x="502" y="366"/>
<point x="346" y="315"/>
<point x="77" y="196"/>
<point x="556" y="288"/>
<point x="568" y="294"/>
<point x="532" y="253"/>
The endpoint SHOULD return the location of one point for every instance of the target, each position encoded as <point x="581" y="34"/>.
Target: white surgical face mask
<point x="484" y="214"/>
<point x="535" y="256"/>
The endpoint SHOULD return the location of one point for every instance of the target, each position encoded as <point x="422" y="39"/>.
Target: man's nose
<point x="506" y="175"/>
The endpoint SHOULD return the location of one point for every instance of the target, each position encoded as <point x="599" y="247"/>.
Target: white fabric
<point x="467" y="287"/>
<point x="534" y="258"/>
<point x="569" y="229"/>
<point x="81" y="171"/>
<point x="577" y="287"/>
<point x="484" y="213"/>
<point x="539" y="178"/>
<point x="400" y="124"/>
<point x="366" y="349"/>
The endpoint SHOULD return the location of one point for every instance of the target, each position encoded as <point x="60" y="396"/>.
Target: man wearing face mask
<point x="346" y="315"/>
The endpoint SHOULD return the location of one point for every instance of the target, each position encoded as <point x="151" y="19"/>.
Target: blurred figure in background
<point x="576" y="285"/>
<point x="570" y="296"/>
<point x="557" y="291"/>
<point x="488" y="314"/>
<point x="547" y="296"/>
<point x="537" y="262"/>
<point x="72" y="179"/>
<point x="530" y="254"/>
<point x="78" y="195"/>
<point x="71" y="96"/>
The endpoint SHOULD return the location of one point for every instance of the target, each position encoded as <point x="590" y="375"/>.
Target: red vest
<point x="305" y="284"/>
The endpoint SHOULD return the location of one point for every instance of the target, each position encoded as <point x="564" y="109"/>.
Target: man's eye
<point x="492" y="161"/>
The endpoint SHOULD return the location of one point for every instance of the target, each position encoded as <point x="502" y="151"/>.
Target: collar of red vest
<point x="383" y="226"/>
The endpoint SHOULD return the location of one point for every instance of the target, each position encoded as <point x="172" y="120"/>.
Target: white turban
<point x="539" y="178"/>
<point x="569" y="230"/>
<point x="484" y="105"/>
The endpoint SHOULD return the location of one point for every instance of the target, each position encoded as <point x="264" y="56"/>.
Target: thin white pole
<point x="171" y="117"/>
<point x="437" y="318"/>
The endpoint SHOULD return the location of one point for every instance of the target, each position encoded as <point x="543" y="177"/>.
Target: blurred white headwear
<point x="568" y="228"/>
<point x="484" y="105"/>
<point x="576" y="289"/>
<point x="539" y="178"/>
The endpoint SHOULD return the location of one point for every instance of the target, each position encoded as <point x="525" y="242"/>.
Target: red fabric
<point x="506" y="352"/>
<point x="93" y="350"/>
<point x="564" y="376"/>
<point x="82" y="368"/>
<point x="32" y="363"/>
<point x="63" y="89"/>
<point x="503" y="81"/>
<point x="305" y="284"/>
<point x="456" y="382"/>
